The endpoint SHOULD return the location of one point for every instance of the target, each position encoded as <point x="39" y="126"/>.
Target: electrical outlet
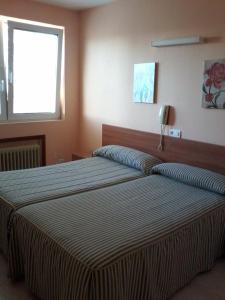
<point x="174" y="132"/>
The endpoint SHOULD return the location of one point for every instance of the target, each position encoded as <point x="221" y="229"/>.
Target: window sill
<point x="12" y="122"/>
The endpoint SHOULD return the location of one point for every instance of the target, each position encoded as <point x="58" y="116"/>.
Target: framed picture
<point x="214" y="84"/>
<point x="144" y="83"/>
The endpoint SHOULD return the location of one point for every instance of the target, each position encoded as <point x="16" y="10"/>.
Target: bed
<point x="142" y="239"/>
<point x="110" y="165"/>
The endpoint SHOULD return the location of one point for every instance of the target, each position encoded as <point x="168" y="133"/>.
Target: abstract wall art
<point x="214" y="84"/>
<point x="144" y="83"/>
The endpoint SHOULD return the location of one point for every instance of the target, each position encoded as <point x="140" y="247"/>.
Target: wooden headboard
<point x="194" y="153"/>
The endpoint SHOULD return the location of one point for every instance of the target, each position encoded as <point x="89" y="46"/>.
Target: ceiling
<point x="76" y="4"/>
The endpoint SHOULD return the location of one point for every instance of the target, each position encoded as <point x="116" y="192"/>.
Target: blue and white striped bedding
<point x="194" y="176"/>
<point x="129" y="157"/>
<point x="143" y="239"/>
<point x="26" y="187"/>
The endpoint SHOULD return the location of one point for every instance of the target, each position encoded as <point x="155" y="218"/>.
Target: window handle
<point x="10" y="77"/>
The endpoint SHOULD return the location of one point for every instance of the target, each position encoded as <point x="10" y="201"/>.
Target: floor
<point x="207" y="286"/>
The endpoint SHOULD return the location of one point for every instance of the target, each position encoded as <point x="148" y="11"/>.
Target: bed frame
<point x="194" y="153"/>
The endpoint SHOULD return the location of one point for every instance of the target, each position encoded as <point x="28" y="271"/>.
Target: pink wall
<point x="113" y="38"/>
<point x="116" y="36"/>
<point x="61" y="136"/>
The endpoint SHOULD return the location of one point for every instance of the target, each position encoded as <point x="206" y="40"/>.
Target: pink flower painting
<point x="214" y="84"/>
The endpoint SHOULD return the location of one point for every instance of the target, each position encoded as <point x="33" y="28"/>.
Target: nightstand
<point x="76" y="157"/>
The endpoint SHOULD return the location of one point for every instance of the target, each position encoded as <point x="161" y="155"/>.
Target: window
<point x="2" y="80"/>
<point x="30" y="71"/>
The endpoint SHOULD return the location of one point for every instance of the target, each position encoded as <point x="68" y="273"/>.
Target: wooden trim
<point x="43" y="143"/>
<point x="27" y="138"/>
<point x="204" y="155"/>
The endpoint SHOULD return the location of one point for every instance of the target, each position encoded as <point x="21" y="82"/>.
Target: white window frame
<point x="3" y="94"/>
<point x="3" y="98"/>
<point x="40" y="29"/>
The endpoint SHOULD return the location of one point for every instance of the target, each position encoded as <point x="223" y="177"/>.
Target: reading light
<point x="178" y="41"/>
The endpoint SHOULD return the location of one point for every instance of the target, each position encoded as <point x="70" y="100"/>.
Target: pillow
<point x="129" y="157"/>
<point x="194" y="176"/>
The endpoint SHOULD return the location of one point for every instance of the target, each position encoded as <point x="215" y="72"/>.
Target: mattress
<point x="25" y="187"/>
<point x="143" y="239"/>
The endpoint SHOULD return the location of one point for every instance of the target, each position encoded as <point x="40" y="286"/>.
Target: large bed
<point x="143" y="239"/>
<point x="110" y="165"/>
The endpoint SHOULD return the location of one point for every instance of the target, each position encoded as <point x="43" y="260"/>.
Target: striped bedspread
<point x="24" y="187"/>
<point x="140" y="240"/>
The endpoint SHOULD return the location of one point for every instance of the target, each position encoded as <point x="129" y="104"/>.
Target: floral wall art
<point x="214" y="84"/>
<point x="144" y="83"/>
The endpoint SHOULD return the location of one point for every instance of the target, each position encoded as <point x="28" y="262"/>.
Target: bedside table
<point x="77" y="157"/>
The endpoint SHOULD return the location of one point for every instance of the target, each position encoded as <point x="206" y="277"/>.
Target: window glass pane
<point x="34" y="72"/>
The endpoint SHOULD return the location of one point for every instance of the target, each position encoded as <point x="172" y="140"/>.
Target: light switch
<point x="174" y="132"/>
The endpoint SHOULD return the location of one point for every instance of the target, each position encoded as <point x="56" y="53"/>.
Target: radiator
<point x="20" y="157"/>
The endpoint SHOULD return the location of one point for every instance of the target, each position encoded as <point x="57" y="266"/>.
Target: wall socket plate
<point x="174" y="132"/>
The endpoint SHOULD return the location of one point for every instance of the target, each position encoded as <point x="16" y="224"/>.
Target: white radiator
<point x="20" y="157"/>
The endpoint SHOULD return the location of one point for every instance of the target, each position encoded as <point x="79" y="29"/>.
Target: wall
<point x="116" y="36"/>
<point x="61" y="136"/>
